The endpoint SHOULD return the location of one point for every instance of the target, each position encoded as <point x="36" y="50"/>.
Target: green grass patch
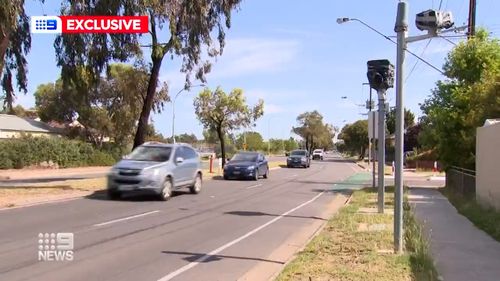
<point x="487" y="219"/>
<point x="343" y="252"/>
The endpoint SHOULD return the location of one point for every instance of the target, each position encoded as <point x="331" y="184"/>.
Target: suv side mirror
<point x="179" y="160"/>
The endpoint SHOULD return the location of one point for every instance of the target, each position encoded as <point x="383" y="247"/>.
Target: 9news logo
<point x="46" y="24"/>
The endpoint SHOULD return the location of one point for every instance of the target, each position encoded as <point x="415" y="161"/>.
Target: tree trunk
<point x="4" y="43"/>
<point x="148" y="103"/>
<point x="220" y="134"/>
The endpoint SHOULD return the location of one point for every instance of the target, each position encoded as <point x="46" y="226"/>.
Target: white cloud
<point x="298" y="32"/>
<point x="255" y="55"/>
<point x="174" y="79"/>
<point x="273" y="108"/>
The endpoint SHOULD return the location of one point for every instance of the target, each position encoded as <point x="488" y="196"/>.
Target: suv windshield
<point x="151" y="153"/>
<point x="244" y="157"/>
<point x="318" y="151"/>
<point x="298" y="153"/>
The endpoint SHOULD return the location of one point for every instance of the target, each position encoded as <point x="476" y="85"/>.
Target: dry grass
<point x="343" y="252"/>
<point x="16" y="196"/>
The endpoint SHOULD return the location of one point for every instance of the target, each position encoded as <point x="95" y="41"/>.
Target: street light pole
<point x="401" y="28"/>
<point x="173" y="107"/>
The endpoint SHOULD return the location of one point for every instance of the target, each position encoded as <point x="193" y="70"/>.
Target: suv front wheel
<point x="166" y="191"/>
<point x="196" y="187"/>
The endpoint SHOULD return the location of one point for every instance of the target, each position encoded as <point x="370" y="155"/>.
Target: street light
<point x="344" y="20"/>
<point x="173" y="107"/>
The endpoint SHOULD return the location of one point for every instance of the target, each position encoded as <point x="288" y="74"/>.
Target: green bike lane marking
<point x="354" y="182"/>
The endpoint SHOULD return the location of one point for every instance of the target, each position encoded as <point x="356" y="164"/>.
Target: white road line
<point x="254" y="186"/>
<point x="127" y="218"/>
<point x="235" y="241"/>
<point x="293" y="175"/>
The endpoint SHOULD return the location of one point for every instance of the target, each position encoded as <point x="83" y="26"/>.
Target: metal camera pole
<point x="401" y="28"/>
<point x="381" y="149"/>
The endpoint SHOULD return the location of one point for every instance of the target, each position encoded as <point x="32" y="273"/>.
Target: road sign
<point x="372" y="124"/>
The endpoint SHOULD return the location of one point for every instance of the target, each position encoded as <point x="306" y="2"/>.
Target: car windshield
<point x="318" y="151"/>
<point x="244" y="157"/>
<point x="151" y="153"/>
<point x="298" y="153"/>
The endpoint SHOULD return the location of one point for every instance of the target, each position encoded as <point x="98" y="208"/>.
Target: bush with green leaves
<point x="32" y="151"/>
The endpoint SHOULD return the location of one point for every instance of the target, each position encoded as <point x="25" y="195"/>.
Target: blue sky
<point x="295" y="56"/>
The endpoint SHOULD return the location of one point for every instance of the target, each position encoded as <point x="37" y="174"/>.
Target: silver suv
<point x="156" y="168"/>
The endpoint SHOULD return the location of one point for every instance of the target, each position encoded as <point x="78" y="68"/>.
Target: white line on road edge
<point x="235" y="241"/>
<point x="127" y="218"/>
<point x="253" y="186"/>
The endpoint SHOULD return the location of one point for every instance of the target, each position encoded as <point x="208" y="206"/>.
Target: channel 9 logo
<point x="46" y="24"/>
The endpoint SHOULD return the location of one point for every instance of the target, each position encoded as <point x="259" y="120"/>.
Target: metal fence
<point x="462" y="181"/>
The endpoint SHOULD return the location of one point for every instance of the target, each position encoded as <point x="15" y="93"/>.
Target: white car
<point x="318" y="154"/>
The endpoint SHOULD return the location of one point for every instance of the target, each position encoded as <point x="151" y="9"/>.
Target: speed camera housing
<point x="432" y="20"/>
<point x="380" y="74"/>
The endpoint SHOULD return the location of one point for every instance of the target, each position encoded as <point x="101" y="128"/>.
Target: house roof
<point x="489" y="122"/>
<point x="19" y="124"/>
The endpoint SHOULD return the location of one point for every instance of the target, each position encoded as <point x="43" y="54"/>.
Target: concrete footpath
<point x="460" y="250"/>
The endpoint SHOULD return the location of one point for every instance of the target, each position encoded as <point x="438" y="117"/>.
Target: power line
<point x="448" y="40"/>
<point x="440" y="4"/>
<point x="416" y="62"/>
<point x="395" y="43"/>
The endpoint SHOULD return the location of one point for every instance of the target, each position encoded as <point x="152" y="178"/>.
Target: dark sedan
<point x="298" y="158"/>
<point x="246" y="165"/>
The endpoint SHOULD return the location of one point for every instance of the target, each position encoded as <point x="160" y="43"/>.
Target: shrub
<point x="32" y="151"/>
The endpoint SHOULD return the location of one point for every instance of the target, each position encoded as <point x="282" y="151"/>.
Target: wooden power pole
<point x="472" y="19"/>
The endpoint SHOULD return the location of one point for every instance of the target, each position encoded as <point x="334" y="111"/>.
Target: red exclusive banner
<point x="105" y="24"/>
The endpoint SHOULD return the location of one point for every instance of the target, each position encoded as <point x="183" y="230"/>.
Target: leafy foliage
<point x="30" y="151"/>
<point x="112" y="109"/>
<point x="314" y="132"/>
<point x="460" y="104"/>
<point x="15" y="43"/>
<point x="188" y="25"/>
<point x="254" y="141"/>
<point x="223" y="113"/>
<point x="355" y="137"/>
<point x="390" y="118"/>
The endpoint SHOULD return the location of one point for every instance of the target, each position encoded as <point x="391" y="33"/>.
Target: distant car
<point x="318" y="154"/>
<point x="298" y="158"/>
<point x="156" y="168"/>
<point x="246" y="165"/>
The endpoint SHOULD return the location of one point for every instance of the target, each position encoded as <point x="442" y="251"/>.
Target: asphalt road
<point x="46" y="179"/>
<point x="220" y="234"/>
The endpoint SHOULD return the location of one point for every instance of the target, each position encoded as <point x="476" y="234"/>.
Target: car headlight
<point x="303" y="159"/>
<point x="114" y="172"/>
<point x="289" y="159"/>
<point x="250" y="167"/>
<point x="152" y="172"/>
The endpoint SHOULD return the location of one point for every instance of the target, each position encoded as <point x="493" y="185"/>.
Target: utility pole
<point x="381" y="150"/>
<point x="472" y="19"/>
<point x="372" y="141"/>
<point x="381" y="76"/>
<point x="401" y="29"/>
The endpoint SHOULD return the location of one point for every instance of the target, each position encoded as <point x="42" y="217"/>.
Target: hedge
<point x="32" y="151"/>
